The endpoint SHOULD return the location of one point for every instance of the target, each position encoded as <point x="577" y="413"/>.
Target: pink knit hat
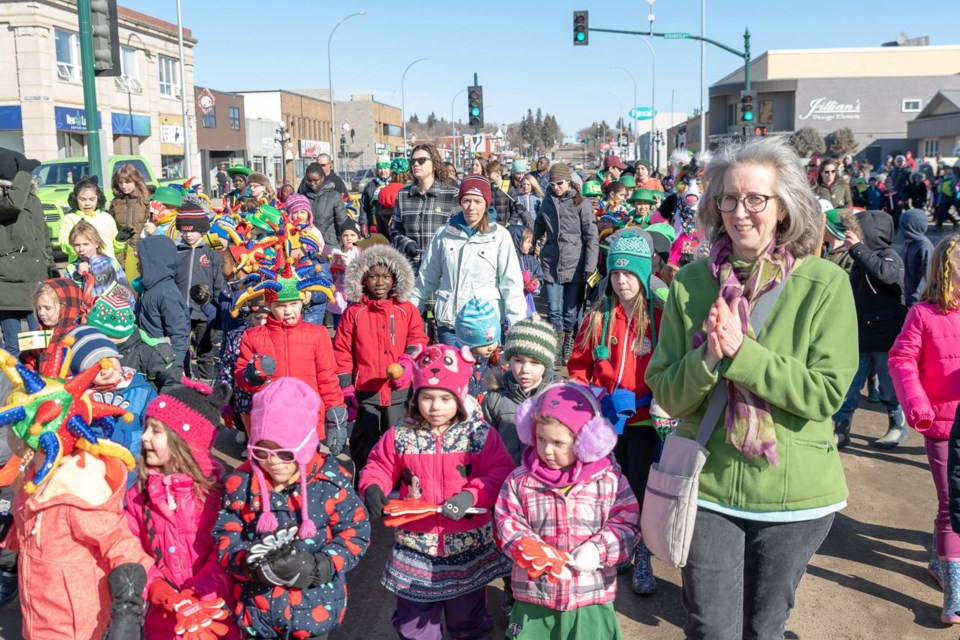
<point x="192" y="411"/>
<point x="575" y="407"/>
<point x="296" y="202"/>
<point x="439" y="366"/>
<point x="285" y="412"/>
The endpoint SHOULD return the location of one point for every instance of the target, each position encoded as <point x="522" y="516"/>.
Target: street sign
<point x="476" y="143"/>
<point x="642" y="113"/>
<point x="676" y="35"/>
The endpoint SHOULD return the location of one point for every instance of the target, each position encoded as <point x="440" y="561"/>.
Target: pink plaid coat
<point x="602" y="510"/>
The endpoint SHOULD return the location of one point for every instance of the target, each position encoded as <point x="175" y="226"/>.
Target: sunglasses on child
<point x="283" y="455"/>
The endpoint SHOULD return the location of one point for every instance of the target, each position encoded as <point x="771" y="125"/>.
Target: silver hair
<point x="324" y="156"/>
<point x="800" y="230"/>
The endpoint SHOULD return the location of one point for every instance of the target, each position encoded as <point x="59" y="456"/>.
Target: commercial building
<point x="263" y="149"/>
<point x="221" y="134"/>
<point x="936" y="129"/>
<point x="41" y="87"/>
<point x="874" y="91"/>
<point x="375" y="128"/>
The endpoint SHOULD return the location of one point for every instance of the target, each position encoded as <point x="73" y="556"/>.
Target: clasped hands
<point x="724" y="332"/>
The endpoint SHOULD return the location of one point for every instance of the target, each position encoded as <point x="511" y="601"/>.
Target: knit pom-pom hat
<point x="443" y="367"/>
<point x="576" y="408"/>
<point x="285" y="413"/>
<point x="192" y="411"/>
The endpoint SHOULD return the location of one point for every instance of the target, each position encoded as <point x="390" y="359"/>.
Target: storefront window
<point x="126" y="146"/>
<point x="71" y="145"/>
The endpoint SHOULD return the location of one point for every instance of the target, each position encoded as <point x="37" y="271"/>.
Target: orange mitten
<point x="197" y="619"/>
<point x="542" y="559"/>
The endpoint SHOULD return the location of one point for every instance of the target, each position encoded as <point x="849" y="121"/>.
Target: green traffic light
<point x="748" y="116"/>
<point x="475" y="111"/>
<point x="581" y="37"/>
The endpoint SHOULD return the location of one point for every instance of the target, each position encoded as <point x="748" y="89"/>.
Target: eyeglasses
<point x="752" y="202"/>
<point x="420" y="161"/>
<point x="829" y="171"/>
<point x="558" y="183"/>
<point x="283" y="455"/>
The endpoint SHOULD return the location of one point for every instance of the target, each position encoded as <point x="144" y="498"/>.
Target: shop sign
<point x="828" y="110"/>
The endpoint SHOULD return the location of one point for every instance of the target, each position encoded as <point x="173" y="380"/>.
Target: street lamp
<point x="453" y="127"/>
<point x="403" y="101"/>
<point x="633" y="120"/>
<point x="333" y="107"/>
<point x="653" y="88"/>
<point x="282" y="138"/>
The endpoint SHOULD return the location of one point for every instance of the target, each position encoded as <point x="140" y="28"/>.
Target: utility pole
<point x="90" y="91"/>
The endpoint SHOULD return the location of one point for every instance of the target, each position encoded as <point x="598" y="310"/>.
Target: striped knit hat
<point x="477" y="324"/>
<point x="534" y="338"/>
<point x="90" y="347"/>
<point x="112" y="315"/>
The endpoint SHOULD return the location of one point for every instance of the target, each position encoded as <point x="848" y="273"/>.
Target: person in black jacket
<point x="877" y="280"/>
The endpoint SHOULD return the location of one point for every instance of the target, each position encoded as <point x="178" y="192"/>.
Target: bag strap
<point x="718" y="397"/>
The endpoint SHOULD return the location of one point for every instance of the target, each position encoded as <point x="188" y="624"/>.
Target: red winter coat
<point x="371" y="335"/>
<point x="181" y="542"/>
<point x="623" y="370"/>
<point x="302" y="351"/>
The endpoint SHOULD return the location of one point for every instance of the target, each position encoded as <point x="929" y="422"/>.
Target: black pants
<point x="201" y="339"/>
<point x="635" y="452"/>
<point x="372" y="422"/>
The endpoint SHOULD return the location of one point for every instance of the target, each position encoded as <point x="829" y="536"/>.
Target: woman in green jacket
<point x="773" y="482"/>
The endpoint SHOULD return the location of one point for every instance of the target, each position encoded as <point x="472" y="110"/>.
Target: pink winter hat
<point x="575" y="407"/>
<point x="440" y="366"/>
<point x="285" y="413"/>
<point x="296" y="202"/>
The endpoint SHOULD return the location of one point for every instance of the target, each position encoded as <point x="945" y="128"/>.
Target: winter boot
<point x="841" y="433"/>
<point x="896" y="432"/>
<point x="568" y="341"/>
<point x="126" y="584"/>
<point x="561" y="341"/>
<point x="644" y="583"/>
<point x="624" y="566"/>
<point x="508" y="599"/>
<point x="8" y="588"/>
<point x="950" y="572"/>
<point x="933" y="567"/>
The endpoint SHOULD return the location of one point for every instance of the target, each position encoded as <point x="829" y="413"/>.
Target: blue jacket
<point x="343" y="533"/>
<point x="916" y="253"/>
<point x="198" y="265"/>
<point x="161" y="310"/>
<point x="133" y="395"/>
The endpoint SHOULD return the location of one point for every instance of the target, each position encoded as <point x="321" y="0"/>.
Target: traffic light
<point x="581" y="28"/>
<point x="106" y="37"/>
<point x="475" y="106"/>
<point x="760" y="132"/>
<point x="748" y="101"/>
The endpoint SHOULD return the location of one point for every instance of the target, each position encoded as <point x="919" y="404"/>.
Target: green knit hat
<point x="632" y="252"/>
<point x="592" y="189"/>
<point x="835" y="224"/>
<point x="168" y="197"/>
<point x="643" y="195"/>
<point x="383" y="162"/>
<point x="534" y="338"/>
<point x="628" y="181"/>
<point x="112" y="315"/>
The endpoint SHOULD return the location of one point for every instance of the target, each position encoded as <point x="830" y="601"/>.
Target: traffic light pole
<point x="90" y="91"/>
<point x="745" y="54"/>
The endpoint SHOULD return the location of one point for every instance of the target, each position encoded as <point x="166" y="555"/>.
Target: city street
<point x="869" y="580"/>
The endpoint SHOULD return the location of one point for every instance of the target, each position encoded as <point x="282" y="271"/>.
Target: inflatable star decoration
<point x="55" y="415"/>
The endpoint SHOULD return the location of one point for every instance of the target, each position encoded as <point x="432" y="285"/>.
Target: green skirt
<point x="535" y="622"/>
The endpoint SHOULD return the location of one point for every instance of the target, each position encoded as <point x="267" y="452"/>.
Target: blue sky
<point x="522" y="51"/>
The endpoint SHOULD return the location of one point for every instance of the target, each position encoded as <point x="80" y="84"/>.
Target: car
<point x="55" y="180"/>
<point x="361" y="177"/>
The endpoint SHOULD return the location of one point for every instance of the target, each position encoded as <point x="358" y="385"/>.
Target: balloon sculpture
<point x="54" y="416"/>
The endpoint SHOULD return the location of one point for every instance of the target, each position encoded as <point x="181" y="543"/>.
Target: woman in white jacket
<point x="470" y="257"/>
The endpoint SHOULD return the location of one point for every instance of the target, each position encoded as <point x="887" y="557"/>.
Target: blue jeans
<point x="10" y="325"/>
<point x="877" y="362"/>
<point x="741" y="576"/>
<point x="564" y="301"/>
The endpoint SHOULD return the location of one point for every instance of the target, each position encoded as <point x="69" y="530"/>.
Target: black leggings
<point x="636" y="451"/>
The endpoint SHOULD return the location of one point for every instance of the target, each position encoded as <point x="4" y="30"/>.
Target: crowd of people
<point x="389" y="363"/>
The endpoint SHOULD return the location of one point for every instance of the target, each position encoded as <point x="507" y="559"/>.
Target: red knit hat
<point x="475" y="184"/>
<point x="387" y="197"/>
<point x="192" y="411"/>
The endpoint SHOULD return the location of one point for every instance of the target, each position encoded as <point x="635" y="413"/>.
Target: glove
<point x="456" y="507"/>
<point x="411" y="249"/>
<point x="301" y="570"/>
<point x="124" y="234"/>
<point x="161" y="593"/>
<point x="260" y="369"/>
<point x="353" y="405"/>
<point x="271" y="543"/>
<point x="539" y="558"/>
<point x="405" y="361"/>
<point x="126" y="584"/>
<point x="586" y="558"/>
<point x="335" y="424"/>
<point x="196" y="619"/>
<point x="375" y="500"/>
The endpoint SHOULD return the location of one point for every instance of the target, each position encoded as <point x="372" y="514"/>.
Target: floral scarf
<point x="748" y="420"/>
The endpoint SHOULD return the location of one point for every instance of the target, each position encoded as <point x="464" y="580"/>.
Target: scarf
<point x="748" y="420"/>
<point x="559" y="478"/>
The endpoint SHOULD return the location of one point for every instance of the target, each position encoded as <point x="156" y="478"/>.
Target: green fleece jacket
<point x="802" y="364"/>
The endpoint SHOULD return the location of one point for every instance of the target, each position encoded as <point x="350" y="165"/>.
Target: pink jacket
<point x="181" y="541"/>
<point x="70" y="536"/>
<point x="925" y="367"/>
<point x="470" y="456"/>
<point x="602" y="510"/>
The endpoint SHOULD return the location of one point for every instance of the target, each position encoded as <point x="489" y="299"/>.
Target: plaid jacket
<point x="602" y="510"/>
<point x="418" y="215"/>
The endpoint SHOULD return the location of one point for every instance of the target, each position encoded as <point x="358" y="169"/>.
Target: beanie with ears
<point x="575" y="407"/>
<point x="285" y="413"/>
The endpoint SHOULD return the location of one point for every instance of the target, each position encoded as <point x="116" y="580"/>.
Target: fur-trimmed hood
<point x="379" y="255"/>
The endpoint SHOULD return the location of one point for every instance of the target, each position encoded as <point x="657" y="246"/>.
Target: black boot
<point x="841" y="432"/>
<point x="8" y="588"/>
<point x="126" y="584"/>
<point x="561" y="341"/>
